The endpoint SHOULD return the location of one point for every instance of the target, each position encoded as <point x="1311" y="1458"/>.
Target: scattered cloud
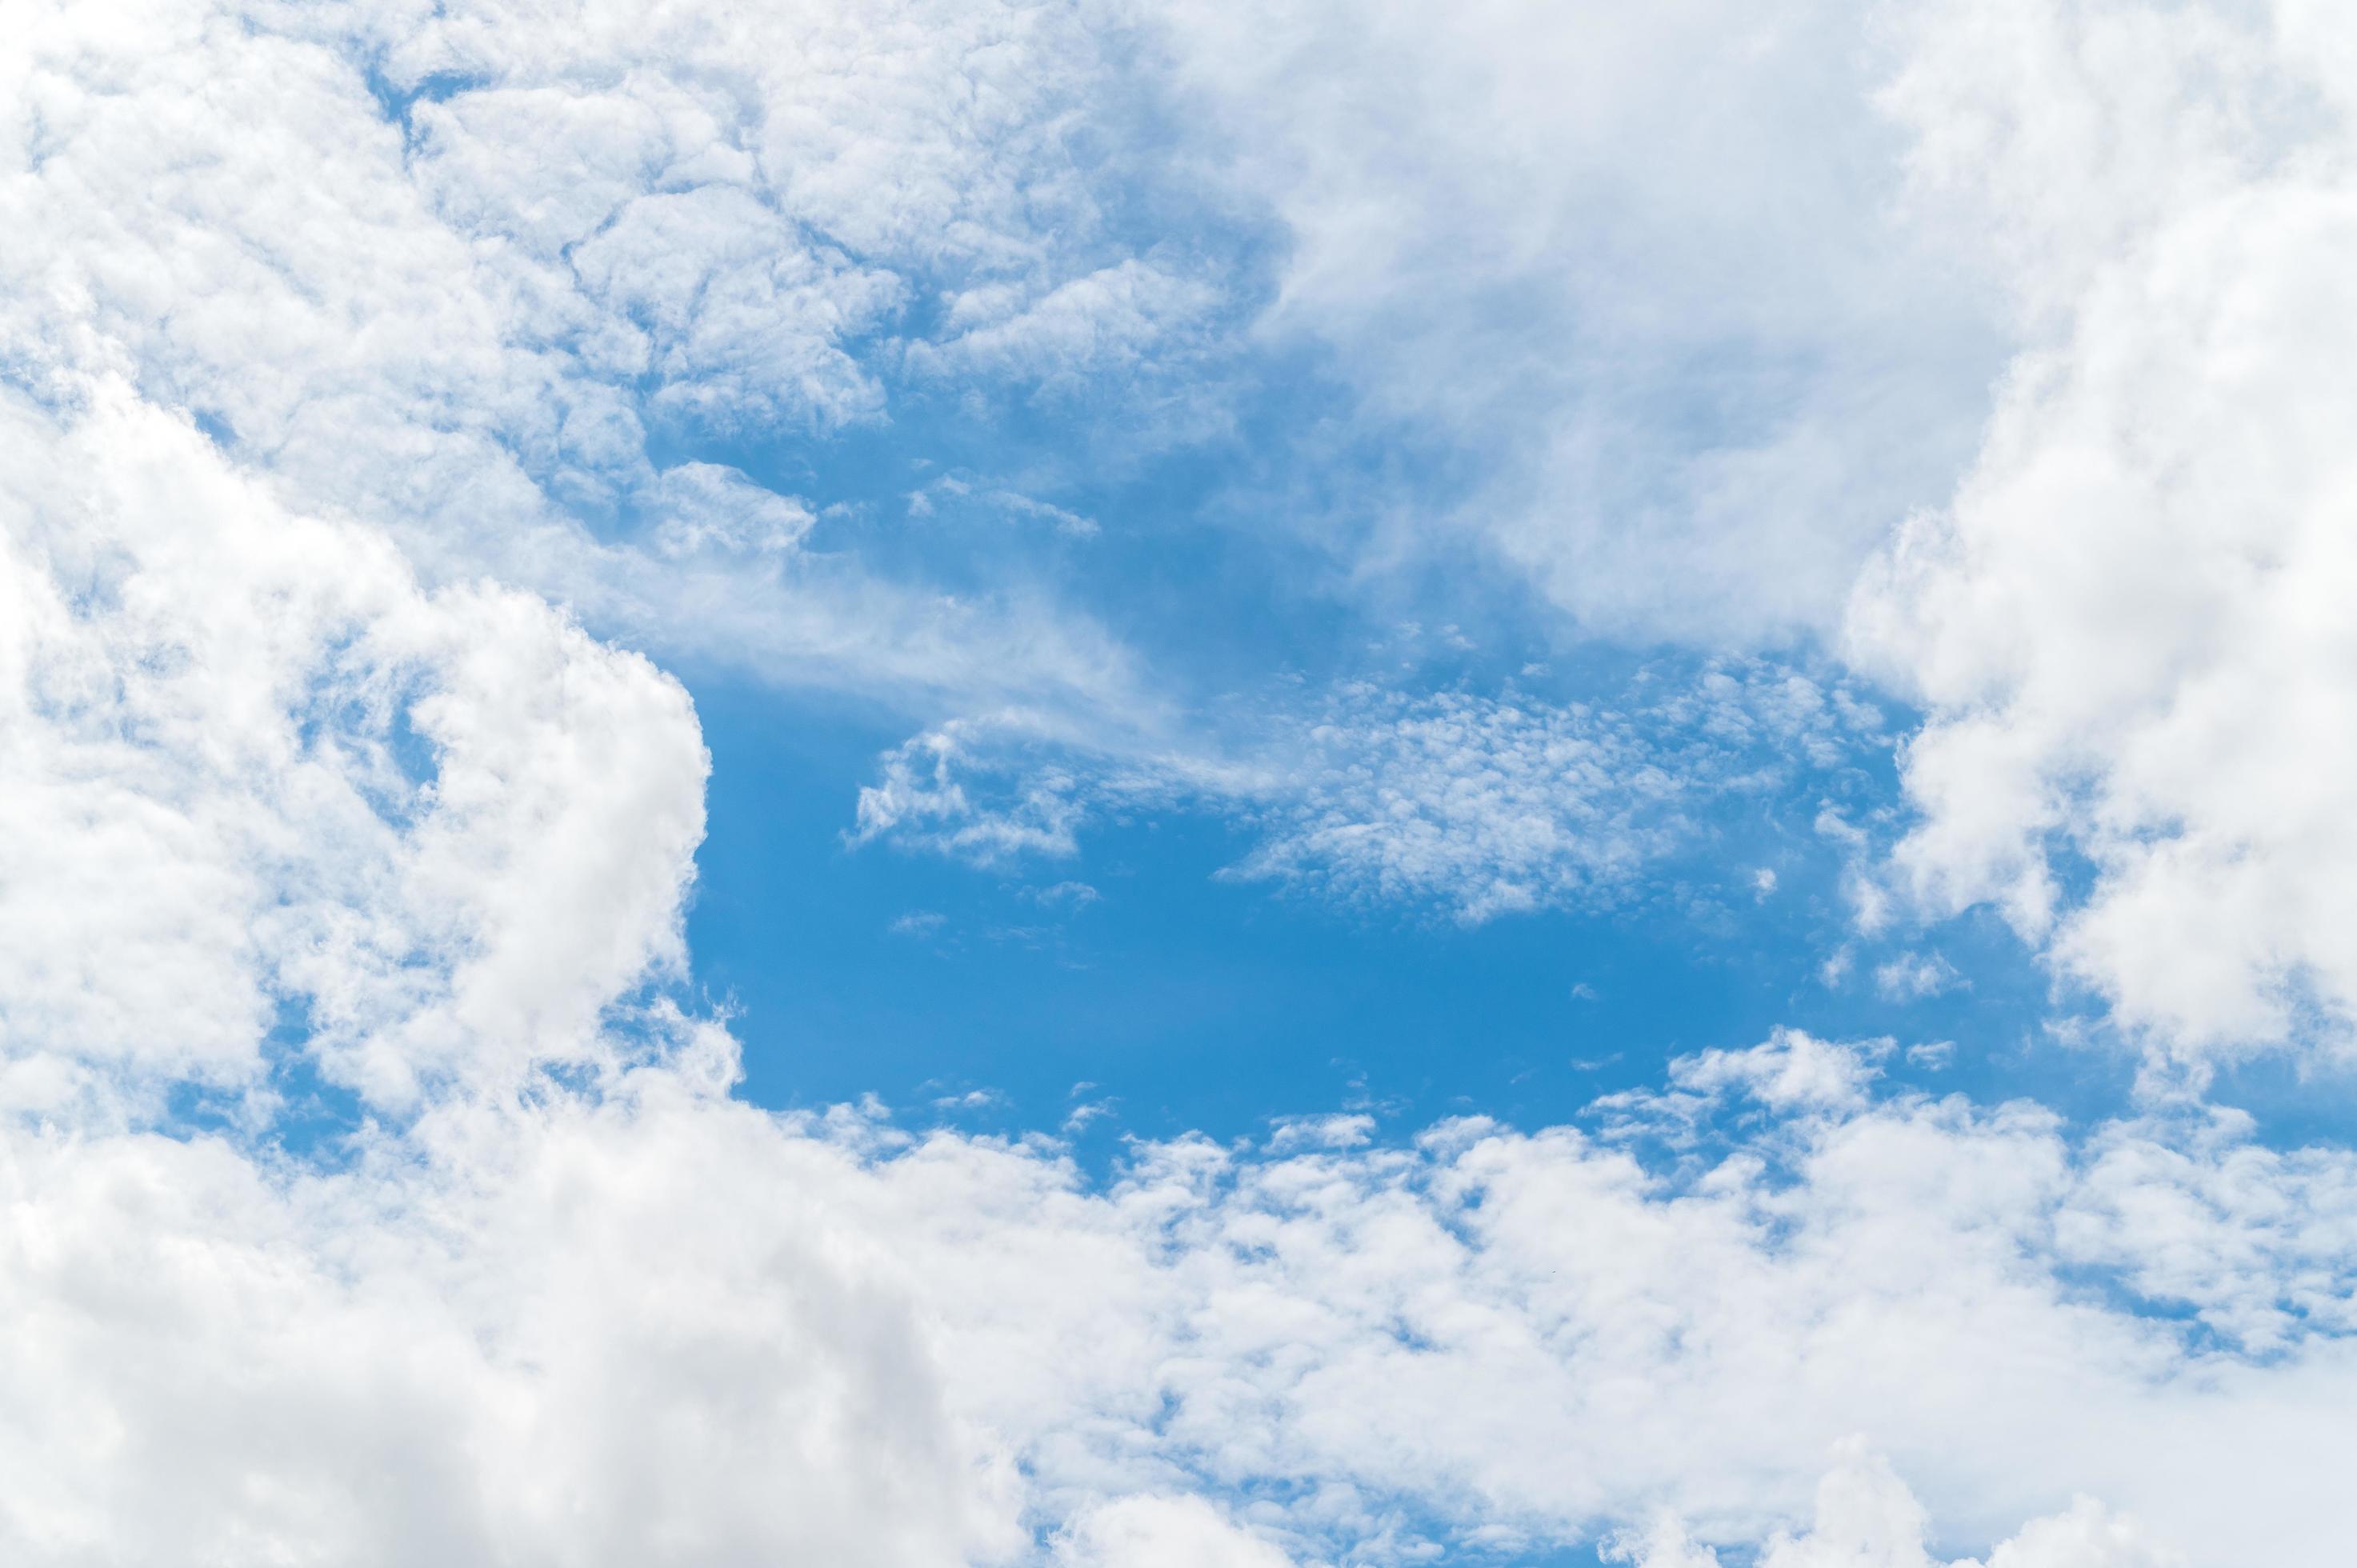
<point x="1482" y="805"/>
<point x="345" y="439"/>
<point x="1064" y="895"/>
<point x="1913" y="976"/>
<point x="1933" y="1056"/>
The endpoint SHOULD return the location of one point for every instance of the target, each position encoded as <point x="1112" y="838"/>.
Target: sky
<point x="1121" y="784"/>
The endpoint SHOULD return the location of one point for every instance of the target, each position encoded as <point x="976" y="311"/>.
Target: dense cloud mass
<point x="385" y="389"/>
<point x="2127" y="625"/>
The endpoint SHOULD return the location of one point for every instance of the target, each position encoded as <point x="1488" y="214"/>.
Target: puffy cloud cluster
<point x="657" y="1322"/>
<point x="2128" y="626"/>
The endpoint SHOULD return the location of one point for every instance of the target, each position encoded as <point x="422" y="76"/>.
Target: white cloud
<point x="586" y="239"/>
<point x="1792" y="1071"/>
<point x="252" y="766"/>
<point x="276" y="797"/>
<point x="1111" y="321"/>
<point x="961" y="492"/>
<point x="706" y="507"/>
<point x="1483" y="805"/>
<point x="652" y="1320"/>
<point x="1933" y="1056"/>
<point x="1640" y="271"/>
<point x="921" y="801"/>
<point x="1866" y="1518"/>
<point x="1911" y="976"/>
<point x="570" y="1303"/>
<point x="2127" y="625"/>
<point x="1068" y="894"/>
<point x="1161" y="1532"/>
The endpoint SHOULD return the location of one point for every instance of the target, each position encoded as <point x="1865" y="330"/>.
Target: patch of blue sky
<point x="1185" y="1000"/>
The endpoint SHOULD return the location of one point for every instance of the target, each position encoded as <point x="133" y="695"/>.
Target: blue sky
<point x="1103" y="785"/>
<point x="1203" y="1001"/>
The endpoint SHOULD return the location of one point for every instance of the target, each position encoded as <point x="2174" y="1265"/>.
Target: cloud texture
<point x="2124" y="624"/>
<point x="381" y="389"/>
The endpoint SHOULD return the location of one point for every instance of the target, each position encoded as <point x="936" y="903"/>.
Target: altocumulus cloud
<point x="341" y="349"/>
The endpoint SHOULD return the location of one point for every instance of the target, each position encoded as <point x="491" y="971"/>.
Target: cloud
<point x="1161" y="1532"/>
<point x="961" y="493"/>
<point x="2124" y="624"/>
<point x="1866" y="1518"/>
<point x="1481" y="805"/>
<point x="1679" y="358"/>
<point x="539" y="1289"/>
<point x="374" y="1195"/>
<point x="1911" y="976"/>
<point x="522" y="288"/>
<point x="1114" y="319"/>
<point x="920" y="801"/>
<point x="1792" y="1072"/>
<point x="585" y="1327"/>
<point x="256" y="772"/>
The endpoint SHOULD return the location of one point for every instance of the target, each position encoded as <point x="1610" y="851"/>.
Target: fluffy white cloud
<point x="655" y="1321"/>
<point x="253" y="768"/>
<point x="1161" y="1532"/>
<point x="1866" y="1518"/>
<point x="2128" y="626"/>
<point x="369" y="1195"/>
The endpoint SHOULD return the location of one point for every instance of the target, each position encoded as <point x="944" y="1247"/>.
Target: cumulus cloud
<point x="2124" y="625"/>
<point x="1161" y="1532"/>
<point x="256" y="772"/>
<point x="484" y="275"/>
<point x="593" y="1327"/>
